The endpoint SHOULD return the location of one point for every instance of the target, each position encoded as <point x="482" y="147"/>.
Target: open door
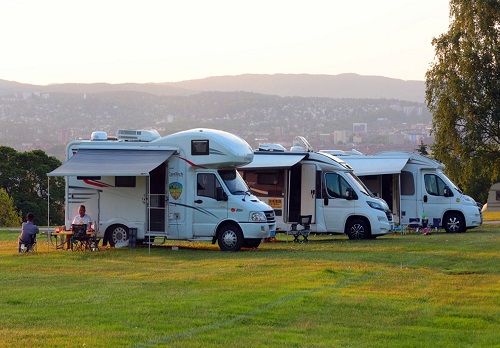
<point x="308" y="191"/>
<point x="157" y="204"/>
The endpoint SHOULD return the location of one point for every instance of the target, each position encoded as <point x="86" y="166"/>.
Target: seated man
<point x="80" y="218"/>
<point x="28" y="233"/>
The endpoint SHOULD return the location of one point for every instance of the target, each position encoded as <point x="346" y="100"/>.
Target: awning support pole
<point x="48" y="213"/>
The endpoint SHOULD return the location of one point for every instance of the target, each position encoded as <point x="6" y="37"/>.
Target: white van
<point x="182" y="186"/>
<point x="416" y="186"/>
<point x="301" y="182"/>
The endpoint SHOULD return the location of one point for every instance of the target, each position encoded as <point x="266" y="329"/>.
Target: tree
<point x="463" y="93"/>
<point x="9" y="216"/>
<point x="24" y="178"/>
<point x="422" y="149"/>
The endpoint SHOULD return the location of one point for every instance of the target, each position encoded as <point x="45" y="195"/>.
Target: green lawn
<point x="440" y="290"/>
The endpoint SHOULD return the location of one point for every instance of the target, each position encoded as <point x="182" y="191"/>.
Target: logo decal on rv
<point x="175" y="189"/>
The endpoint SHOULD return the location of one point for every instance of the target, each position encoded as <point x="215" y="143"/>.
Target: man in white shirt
<point x="80" y="218"/>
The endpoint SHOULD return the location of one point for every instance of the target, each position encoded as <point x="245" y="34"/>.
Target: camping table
<point x="60" y="244"/>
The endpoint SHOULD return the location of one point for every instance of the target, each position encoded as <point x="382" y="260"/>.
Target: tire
<point x="454" y="223"/>
<point x="251" y="243"/>
<point x="357" y="229"/>
<point x="117" y="234"/>
<point x="230" y="238"/>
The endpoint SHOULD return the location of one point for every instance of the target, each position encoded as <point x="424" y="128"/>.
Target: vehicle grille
<point x="270" y="216"/>
<point x="389" y="215"/>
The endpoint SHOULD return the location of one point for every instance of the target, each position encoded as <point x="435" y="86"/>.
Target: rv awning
<point x="366" y="166"/>
<point x="106" y="162"/>
<point x="264" y="161"/>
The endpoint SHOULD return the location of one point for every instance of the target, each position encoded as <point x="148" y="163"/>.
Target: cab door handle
<point x="198" y="201"/>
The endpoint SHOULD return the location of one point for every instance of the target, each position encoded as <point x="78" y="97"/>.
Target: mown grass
<point x="440" y="290"/>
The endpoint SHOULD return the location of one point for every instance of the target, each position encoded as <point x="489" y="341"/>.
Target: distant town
<point x="49" y="121"/>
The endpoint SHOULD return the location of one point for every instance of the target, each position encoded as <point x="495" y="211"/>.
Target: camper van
<point x="183" y="186"/>
<point x="415" y="187"/>
<point x="302" y="182"/>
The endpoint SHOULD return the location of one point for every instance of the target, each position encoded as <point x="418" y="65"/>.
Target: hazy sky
<point x="115" y="41"/>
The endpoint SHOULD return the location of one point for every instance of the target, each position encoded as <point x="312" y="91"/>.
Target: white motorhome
<point x="183" y="186"/>
<point x="304" y="182"/>
<point x="415" y="186"/>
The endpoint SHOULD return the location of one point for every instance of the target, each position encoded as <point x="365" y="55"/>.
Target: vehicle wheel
<point x="357" y="229"/>
<point x="230" y="238"/>
<point x="251" y="243"/>
<point x="117" y="234"/>
<point x="453" y="223"/>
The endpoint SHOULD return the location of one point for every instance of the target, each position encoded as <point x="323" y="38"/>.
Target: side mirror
<point x="447" y="192"/>
<point x="220" y="194"/>
<point x="350" y="194"/>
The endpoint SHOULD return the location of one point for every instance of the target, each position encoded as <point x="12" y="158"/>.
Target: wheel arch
<point x="358" y="217"/>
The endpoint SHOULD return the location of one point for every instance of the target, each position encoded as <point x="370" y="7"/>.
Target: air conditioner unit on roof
<point x="137" y="135"/>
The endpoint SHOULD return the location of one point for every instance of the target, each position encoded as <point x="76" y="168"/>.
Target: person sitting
<point x="80" y="218"/>
<point x="28" y="233"/>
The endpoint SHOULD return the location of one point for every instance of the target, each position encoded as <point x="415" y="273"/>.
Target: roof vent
<point x="137" y="135"/>
<point x="271" y="147"/>
<point x="99" y="136"/>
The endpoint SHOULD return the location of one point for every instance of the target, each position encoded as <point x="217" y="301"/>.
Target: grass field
<point x="439" y="290"/>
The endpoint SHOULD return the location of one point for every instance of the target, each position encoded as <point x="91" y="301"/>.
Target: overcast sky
<point x="116" y="41"/>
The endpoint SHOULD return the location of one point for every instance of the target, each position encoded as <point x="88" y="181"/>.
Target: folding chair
<point x="27" y="246"/>
<point x="414" y="224"/>
<point x="436" y="224"/>
<point x="79" y="239"/>
<point x="305" y="223"/>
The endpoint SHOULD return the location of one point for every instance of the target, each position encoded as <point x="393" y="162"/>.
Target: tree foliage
<point x="463" y="92"/>
<point x="9" y="216"/>
<point x="23" y="176"/>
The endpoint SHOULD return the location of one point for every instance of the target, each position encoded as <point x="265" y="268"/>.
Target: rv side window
<point x="407" y="184"/>
<point x="336" y="186"/>
<point x="207" y="185"/>
<point x="434" y="185"/>
<point x="199" y="147"/>
<point x="125" y="181"/>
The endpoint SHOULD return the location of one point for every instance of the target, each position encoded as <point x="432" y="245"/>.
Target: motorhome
<point x="302" y="182"/>
<point x="415" y="187"/>
<point x="183" y="186"/>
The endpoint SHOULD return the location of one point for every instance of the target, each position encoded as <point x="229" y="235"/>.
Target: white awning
<point x="273" y="160"/>
<point x="363" y="165"/>
<point x="107" y="162"/>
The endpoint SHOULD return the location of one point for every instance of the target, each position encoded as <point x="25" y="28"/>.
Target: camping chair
<point x="414" y="225"/>
<point x="79" y="238"/>
<point x="436" y="224"/>
<point x="305" y="223"/>
<point x="27" y="246"/>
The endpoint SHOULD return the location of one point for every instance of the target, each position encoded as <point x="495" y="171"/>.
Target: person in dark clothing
<point x="28" y="233"/>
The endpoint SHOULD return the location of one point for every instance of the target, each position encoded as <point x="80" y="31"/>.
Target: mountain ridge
<point x="348" y="85"/>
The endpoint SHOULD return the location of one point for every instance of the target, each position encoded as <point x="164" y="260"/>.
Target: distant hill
<point x="300" y="85"/>
<point x="305" y="85"/>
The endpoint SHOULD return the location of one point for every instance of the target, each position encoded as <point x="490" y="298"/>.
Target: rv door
<point x="210" y="204"/>
<point x="308" y="191"/>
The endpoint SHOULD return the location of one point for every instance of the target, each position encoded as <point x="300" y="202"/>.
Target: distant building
<point x="359" y="128"/>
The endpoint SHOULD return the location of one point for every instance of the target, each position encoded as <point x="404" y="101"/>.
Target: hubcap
<point x="229" y="239"/>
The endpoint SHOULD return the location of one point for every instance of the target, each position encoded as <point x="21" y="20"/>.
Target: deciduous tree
<point x="9" y="216"/>
<point x="463" y="92"/>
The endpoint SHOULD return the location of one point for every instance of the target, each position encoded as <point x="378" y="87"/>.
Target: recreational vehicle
<point x="302" y="182"/>
<point x="183" y="186"/>
<point x="415" y="186"/>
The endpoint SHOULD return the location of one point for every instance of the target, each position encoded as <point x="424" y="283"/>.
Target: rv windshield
<point x="233" y="181"/>
<point x="360" y="185"/>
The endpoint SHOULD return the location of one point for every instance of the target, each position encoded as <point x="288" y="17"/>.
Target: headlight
<point x="375" y="205"/>
<point x="257" y="216"/>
